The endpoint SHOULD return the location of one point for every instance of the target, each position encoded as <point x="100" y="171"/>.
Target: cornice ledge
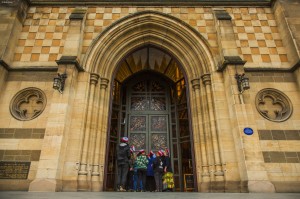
<point x="70" y="60"/>
<point x="5" y="65"/>
<point x="153" y="2"/>
<point x="290" y="70"/>
<point x="230" y="60"/>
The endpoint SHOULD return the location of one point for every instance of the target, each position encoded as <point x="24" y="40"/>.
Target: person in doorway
<point x="158" y="170"/>
<point x="130" y="179"/>
<point x="168" y="173"/>
<point x="123" y="156"/>
<point x="150" y="182"/>
<point x="141" y="165"/>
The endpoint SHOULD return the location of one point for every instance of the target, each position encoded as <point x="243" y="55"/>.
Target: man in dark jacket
<point x="123" y="157"/>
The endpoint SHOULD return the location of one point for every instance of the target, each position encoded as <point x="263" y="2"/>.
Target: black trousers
<point x="142" y="174"/>
<point x="158" y="180"/>
<point x="130" y="180"/>
<point x="122" y="174"/>
<point x="150" y="183"/>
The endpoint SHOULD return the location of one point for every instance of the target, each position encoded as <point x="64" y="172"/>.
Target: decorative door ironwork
<point x="148" y="114"/>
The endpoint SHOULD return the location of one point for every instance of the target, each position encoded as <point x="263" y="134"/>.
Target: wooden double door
<point x="148" y="114"/>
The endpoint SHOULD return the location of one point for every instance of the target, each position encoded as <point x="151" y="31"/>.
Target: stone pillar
<point x="248" y="152"/>
<point x="205" y="179"/>
<point x="287" y="16"/>
<point x="219" y="174"/>
<point x="104" y="108"/>
<point x="53" y="151"/>
<point x="74" y="37"/>
<point x="226" y="39"/>
<point x="96" y="185"/>
<point x="12" y="16"/>
<point x="83" y="169"/>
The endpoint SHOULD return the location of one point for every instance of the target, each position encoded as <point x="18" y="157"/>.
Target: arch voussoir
<point x="149" y="27"/>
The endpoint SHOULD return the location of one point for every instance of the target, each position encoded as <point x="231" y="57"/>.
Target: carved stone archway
<point x="103" y="58"/>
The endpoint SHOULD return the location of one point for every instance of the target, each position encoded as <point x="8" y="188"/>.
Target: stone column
<point x="103" y="129"/>
<point x="53" y="151"/>
<point x="205" y="179"/>
<point x="83" y="169"/>
<point x="219" y="174"/>
<point x="96" y="186"/>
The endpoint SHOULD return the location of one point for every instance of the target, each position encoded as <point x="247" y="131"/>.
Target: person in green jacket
<point x="141" y="165"/>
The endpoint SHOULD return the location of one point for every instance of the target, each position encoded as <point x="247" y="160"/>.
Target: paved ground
<point x="147" y="195"/>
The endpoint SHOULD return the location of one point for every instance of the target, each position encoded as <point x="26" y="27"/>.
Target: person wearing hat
<point x="130" y="175"/>
<point x="150" y="182"/>
<point x="168" y="173"/>
<point x="141" y="165"/>
<point x="158" y="170"/>
<point x="123" y="157"/>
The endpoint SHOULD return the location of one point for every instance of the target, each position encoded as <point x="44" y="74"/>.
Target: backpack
<point x="122" y="154"/>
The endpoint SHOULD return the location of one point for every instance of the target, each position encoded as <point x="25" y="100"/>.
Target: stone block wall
<point x="260" y="38"/>
<point x="44" y="32"/>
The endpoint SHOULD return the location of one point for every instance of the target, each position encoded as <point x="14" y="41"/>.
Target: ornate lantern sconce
<point x="59" y="82"/>
<point x="242" y="82"/>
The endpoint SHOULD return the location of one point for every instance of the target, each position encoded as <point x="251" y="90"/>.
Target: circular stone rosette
<point x="28" y="104"/>
<point x="273" y="105"/>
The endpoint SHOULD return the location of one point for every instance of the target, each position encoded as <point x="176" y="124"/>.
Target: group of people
<point x="141" y="172"/>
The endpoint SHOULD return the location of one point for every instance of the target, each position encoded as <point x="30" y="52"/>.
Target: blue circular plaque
<point x="248" y="131"/>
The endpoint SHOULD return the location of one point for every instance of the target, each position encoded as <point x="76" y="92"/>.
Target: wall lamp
<point x="59" y="82"/>
<point x="242" y="82"/>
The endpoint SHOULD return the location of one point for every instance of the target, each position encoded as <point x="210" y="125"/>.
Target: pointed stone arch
<point x="102" y="60"/>
<point x="149" y="27"/>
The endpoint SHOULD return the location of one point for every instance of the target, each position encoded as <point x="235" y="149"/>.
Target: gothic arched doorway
<point x="150" y="106"/>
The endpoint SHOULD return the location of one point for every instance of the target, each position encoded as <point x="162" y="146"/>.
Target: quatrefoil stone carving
<point x="28" y="104"/>
<point x="273" y="105"/>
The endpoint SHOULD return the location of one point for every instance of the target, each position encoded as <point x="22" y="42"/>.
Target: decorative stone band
<point x="281" y="156"/>
<point x="20" y="155"/>
<point x="21" y="133"/>
<point x="279" y="134"/>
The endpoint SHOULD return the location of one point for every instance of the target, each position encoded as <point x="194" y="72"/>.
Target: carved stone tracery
<point x="273" y="105"/>
<point x="28" y="104"/>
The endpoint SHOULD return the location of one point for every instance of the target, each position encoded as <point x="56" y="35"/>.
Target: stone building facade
<point x="187" y="61"/>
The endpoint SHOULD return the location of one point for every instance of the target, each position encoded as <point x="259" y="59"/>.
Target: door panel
<point x="158" y="132"/>
<point x="149" y="132"/>
<point x="137" y="131"/>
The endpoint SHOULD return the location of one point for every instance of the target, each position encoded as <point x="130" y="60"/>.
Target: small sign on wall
<point x="248" y="131"/>
<point x="14" y="170"/>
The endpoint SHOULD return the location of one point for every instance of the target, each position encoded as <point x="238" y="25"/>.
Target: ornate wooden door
<point x="148" y="114"/>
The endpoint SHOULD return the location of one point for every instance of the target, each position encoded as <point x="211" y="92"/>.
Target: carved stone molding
<point x="273" y="105"/>
<point x="28" y="104"/>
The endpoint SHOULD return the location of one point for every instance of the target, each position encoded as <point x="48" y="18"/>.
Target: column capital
<point x="94" y="78"/>
<point x="206" y="79"/>
<point x="196" y="83"/>
<point x="104" y="83"/>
